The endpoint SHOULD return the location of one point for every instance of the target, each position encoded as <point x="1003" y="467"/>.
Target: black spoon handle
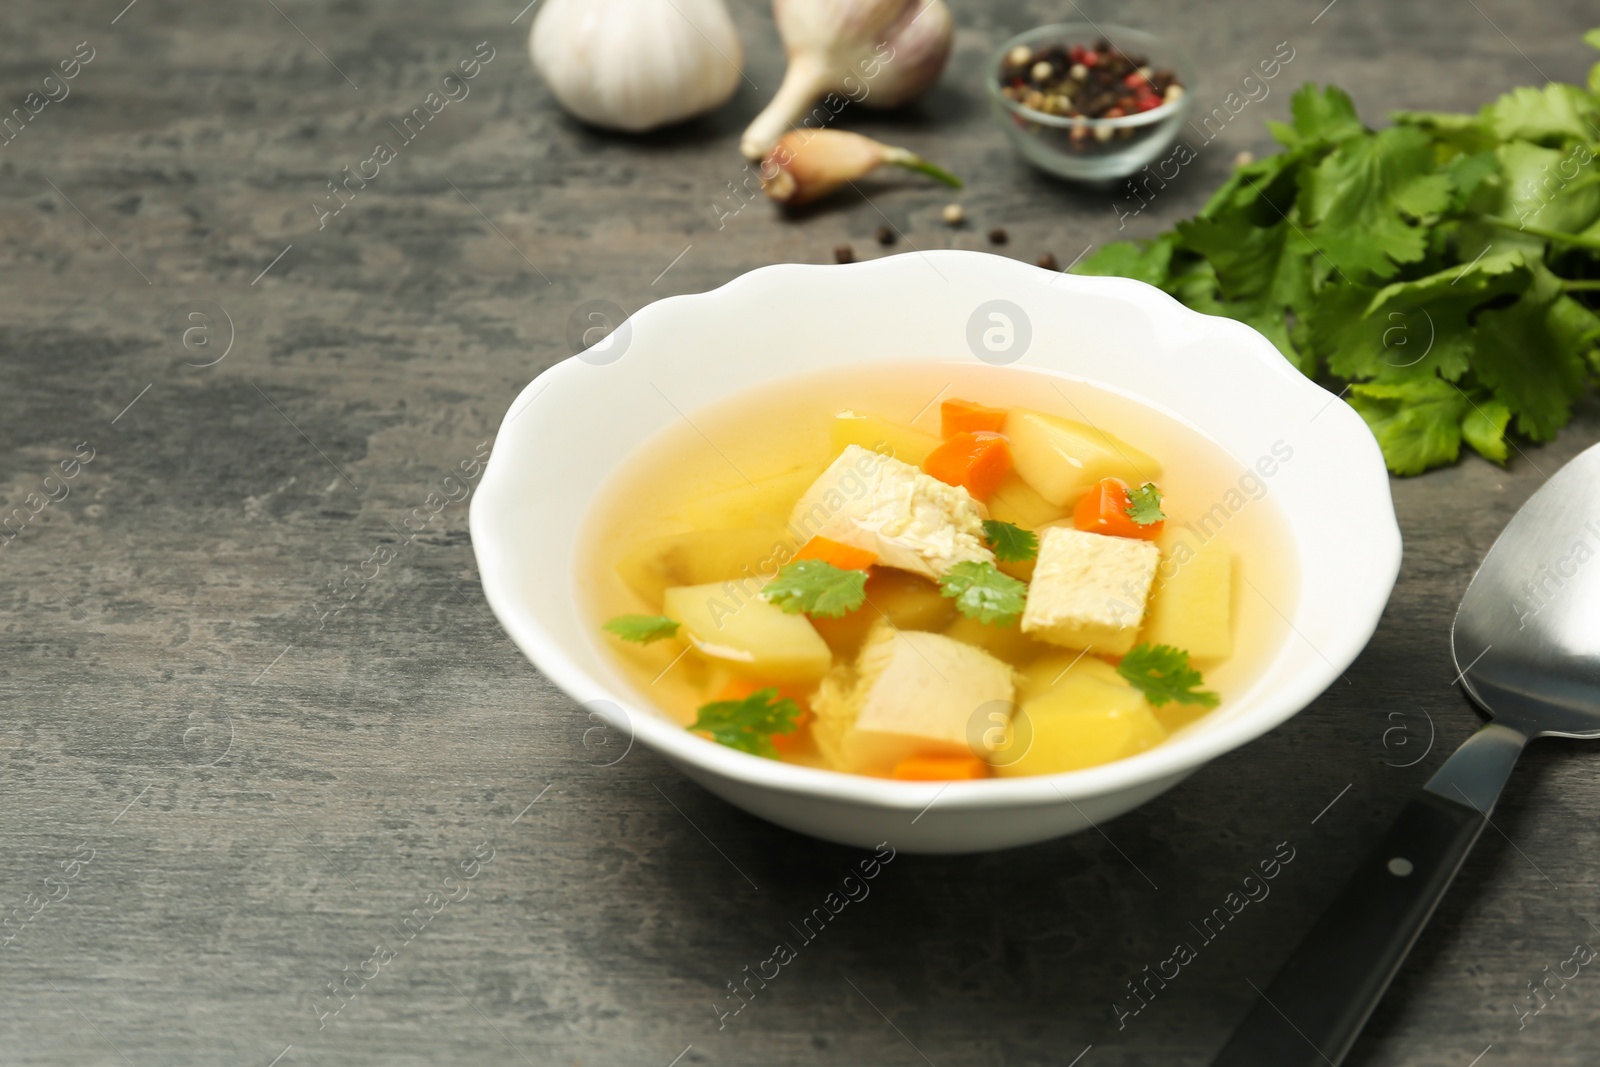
<point x="1313" y="1011"/>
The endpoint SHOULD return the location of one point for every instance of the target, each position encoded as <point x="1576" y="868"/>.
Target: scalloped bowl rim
<point x="1172" y="759"/>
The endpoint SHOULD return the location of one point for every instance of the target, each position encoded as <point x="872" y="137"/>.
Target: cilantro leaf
<point x="1531" y="357"/>
<point x="1469" y="172"/>
<point x="1364" y="198"/>
<point x="1438" y="121"/>
<point x="1550" y="114"/>
<point x="1417" y="422"/>
<point x="817" y="587"/>
<point x="1147" y="261"/>
<point x="1411" y="328"/>
<point x="1324" y="117"/>
<point x="1011" y="543"/>
<point x="1163" y="674"/>
<point x="748" y="724"/>
<point x="1144" y="505"/>
<point x="1261" y="192"/>
<point x="1547" y="188"/>
<point x="641" y="628"/>
<point x="1351" y="343"/>
<point x="1252" y="260"/>
<point x="1484" y="428"/>
<point x="981" y="592"/>
<point x="1261" y="272"/>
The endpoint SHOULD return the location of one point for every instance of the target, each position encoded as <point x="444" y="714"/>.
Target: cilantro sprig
<point x="1144" y="505"/>
<point x="642" y="629"/>
<point x="1445" y="270"/>
<point x="748" y="724"/>
<point x="1011" y="543"/>
<point x="1162" y="673"/>
<point x="981" y="592"/>
<point x="817" y="587"/>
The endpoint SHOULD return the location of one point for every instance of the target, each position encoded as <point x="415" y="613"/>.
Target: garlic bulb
<point x="877" y="53"/>
<point x="636" y="64"/>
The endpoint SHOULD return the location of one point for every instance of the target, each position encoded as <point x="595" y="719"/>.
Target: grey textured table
<point x="239" y="755"/>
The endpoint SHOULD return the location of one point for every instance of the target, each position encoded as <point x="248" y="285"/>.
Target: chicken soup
<point x="938" y="571"/>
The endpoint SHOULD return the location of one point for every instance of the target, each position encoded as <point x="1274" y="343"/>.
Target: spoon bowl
<point x="1527" y="635"/>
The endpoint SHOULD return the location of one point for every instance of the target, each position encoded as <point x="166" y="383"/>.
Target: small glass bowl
<point x="1092" y="149"/>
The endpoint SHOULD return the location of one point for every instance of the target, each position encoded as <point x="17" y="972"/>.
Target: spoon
<point x="1526" y="641"/>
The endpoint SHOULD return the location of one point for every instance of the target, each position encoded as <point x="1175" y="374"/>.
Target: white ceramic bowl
<point x="583" y="417"/>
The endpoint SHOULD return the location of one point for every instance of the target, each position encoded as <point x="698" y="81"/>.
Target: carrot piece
<point x="794" y="738"/>
<point x="845" y="557"/>
<point x="940" y="768"/>
<point x="737" y="689"/>
<point x="964" y="416"/>
<point x="975" y="461"/>
<point x="1103" y="509"/>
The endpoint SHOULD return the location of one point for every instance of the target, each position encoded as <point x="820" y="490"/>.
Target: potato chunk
<point x="728" y="624"/>
<point x="908" y="601"/>
<point x="1016" y="502"/>
<point x="764" y="502"/>
<point x="870" y="432"/>
<point x="1191" y="606"/>
<point x="907" y="694"/>
<point x="1089" y="590"/>
<point x="1008" y="643"/>
<point x="1043" y="676"/>
<point x="700" y="556"/>
<point x="1060" y="458"/>
<point x="1075" y="714"/>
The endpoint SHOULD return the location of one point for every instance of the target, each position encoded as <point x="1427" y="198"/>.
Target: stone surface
<point x="239" y="753"/>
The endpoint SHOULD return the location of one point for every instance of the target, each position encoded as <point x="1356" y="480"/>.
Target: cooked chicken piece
<point x="910" y="520"/>
<point x="1089" y="590"/>
<point x="910" y="693"/>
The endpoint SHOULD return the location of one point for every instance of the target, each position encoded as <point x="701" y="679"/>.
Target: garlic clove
<point x="801" y="168"/>
<point x="635" y="65"/>
<point x="806" y="165"/>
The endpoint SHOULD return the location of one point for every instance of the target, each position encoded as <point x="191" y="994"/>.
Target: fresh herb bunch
<point x="1444" y="267"/>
